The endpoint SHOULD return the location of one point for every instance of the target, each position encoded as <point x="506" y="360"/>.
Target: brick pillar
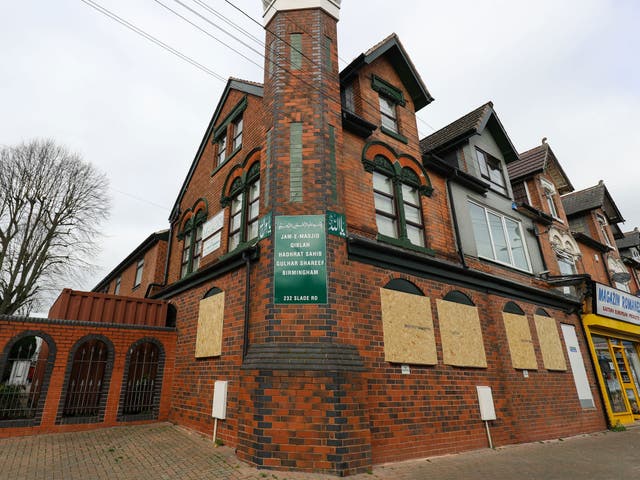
<point x="302" y="399"/>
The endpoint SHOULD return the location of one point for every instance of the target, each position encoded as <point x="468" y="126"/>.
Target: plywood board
<point x="407" y="326"/>
<point x="523" y="355"/>
<point x="461" y="335"/>
<point x="550" y="344"/>
<point x="210" y="322"/>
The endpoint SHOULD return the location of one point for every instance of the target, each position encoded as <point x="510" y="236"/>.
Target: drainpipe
<point x="454" y="217"/>
<point x="247" y="296"/>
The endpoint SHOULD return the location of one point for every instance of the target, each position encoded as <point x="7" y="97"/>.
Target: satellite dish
<point x="621" y="277"/>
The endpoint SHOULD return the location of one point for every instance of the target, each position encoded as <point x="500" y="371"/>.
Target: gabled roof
<point x="472" y="123"/>
<point x="150" y="241"/>
<point x="590" y="199"/>
<point x="537" y="160"/>
<point x="246" y="86"/>
<point x="397" y="55"/>
<point x="630" y="239"/>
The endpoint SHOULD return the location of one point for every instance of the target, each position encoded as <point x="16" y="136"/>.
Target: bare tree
<point x="51" y="206"/>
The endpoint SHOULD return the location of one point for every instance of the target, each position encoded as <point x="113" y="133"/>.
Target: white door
<point x="577" y="366"/>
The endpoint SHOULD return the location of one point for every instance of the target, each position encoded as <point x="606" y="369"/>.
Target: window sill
<point x="403" y="243"/>
<point x="393" y="134"/>
<point x="506" y="265"/>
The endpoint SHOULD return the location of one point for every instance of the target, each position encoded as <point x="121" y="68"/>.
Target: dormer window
<point x="491" y="170"/>
<point x="388" y="114"/>
<point x="346" y="95"/>
<point x="602" y="222"/>
<point x="549" y="194"/>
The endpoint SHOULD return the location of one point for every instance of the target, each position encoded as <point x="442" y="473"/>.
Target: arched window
<point x="245" y="207"/>
<point x="396" y="194"/>
<point x="191" y="236"/>
<point x="401" y="285"/>
<point x="142" y="381"/>
<point x="25" y="369"/>
<point x="88" y="381"/>
<point x="512" y="307"/>
<point x="458" y="297"/>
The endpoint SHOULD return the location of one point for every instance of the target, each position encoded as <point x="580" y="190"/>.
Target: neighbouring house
<point x="141" y="271"/>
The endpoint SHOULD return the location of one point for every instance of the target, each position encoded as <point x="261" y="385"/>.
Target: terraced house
<point x="344" y="293"/>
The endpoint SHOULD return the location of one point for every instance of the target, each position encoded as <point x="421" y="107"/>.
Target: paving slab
<point x="165" y="452"/>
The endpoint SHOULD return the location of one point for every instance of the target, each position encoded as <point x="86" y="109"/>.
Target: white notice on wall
<point x="212" y="233"/>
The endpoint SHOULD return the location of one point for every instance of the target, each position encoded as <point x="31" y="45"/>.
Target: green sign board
<point x="300" y="259"/>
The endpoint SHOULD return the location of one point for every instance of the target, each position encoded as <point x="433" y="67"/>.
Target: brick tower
<point x="301" y="405"/>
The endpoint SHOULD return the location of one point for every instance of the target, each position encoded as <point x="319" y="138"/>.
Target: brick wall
<point x="64" y="334"/>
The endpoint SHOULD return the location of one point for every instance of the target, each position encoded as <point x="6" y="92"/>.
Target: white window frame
<point x="485" y="162"/>
<point x="549" y="190"/>
<point x="389" y="112"/>
<point x="504" y="229"/>
<point x="602" y="223"/>
<point x="139" y="270"/>
<point x="526" y="189"/>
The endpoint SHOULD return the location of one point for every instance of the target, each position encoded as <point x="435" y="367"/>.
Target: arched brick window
<point x="142" y="381"/>
<point x="25" y="369"/>
<point x="87" y="381"/>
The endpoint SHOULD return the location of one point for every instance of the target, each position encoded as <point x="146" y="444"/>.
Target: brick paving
<point x="164" y="451"/>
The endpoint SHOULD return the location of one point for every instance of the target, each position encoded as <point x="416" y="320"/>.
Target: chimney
<point x="332" y="7"/>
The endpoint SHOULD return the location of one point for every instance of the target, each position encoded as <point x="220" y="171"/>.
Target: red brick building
<point x="353" y="284"/>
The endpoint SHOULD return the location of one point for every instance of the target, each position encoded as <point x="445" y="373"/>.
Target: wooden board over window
<point x="461" y="335"/>
<point x="210" y="321"/>
<point x="408" y="328"/>
<point x="550" y="344"/>
<point x="523" y="356"/>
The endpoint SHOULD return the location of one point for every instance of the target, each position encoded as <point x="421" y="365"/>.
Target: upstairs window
<point x="549" y="194"/>
<point x="388" y="114"/>
<point x="116" y="289"/>
<point x="635" y="254"/>
<point x="397" y="203"/>
<point x="191" y="236"/>
<point x="245" y="208"/>
<point x="389" y="99"/>
<point x="491" y="170"/>
<point x="347" y="97"/>
<point x="237" y="134"/>
<point x="499" y="238"/>
<point x="139" y="269"/>
<point x="221" y="146"/>
<point x="602" y="223"/>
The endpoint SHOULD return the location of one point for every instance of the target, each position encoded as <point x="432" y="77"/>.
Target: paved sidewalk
<point x="164" y="451"/>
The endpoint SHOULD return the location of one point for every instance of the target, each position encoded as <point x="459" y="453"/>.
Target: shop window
<point x="88" y="374"/>
<point x="499" y="238"/>
<point x="491" y="170"/>
<point x="25" y="370"/>
<point x="141" y="384"/>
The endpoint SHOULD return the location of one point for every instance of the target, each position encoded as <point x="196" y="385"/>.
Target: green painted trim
<point x="333" y="180"/>
<point x="385" y="88"/>
<point x="237" y="110"/>
<point x="295" y="49"/>
<point x="295" y="162"/>
<point x="393" y="134"/>
<point x="404" y="243"/>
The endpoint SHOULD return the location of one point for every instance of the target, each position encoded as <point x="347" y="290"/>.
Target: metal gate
<point x="21" y="381"/>
<point x="85" y="387"/>
<point x="140" y="390"/>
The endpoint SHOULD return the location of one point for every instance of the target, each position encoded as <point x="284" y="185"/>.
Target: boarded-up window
<point x="210" y="322"/>
<point x="523" y="355"/>
<point x="408" y="328"/>
<point x="461" y="335"/>
<point x="550" y="344"/>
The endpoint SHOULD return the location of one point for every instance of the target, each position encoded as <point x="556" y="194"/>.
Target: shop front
<point x="613" y="332"/>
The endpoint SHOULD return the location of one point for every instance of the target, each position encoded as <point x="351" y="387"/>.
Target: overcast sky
<point x="567" y="70"/>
